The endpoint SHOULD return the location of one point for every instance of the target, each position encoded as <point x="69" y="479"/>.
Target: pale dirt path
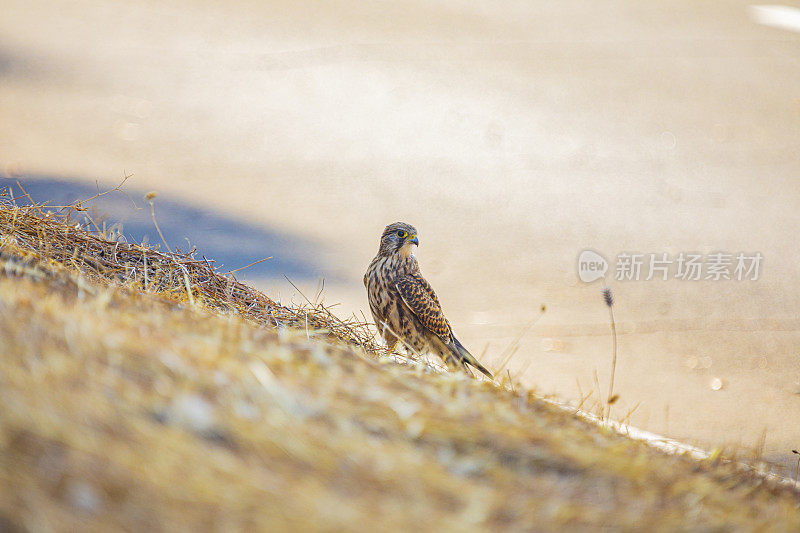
<point x="512" y="138"/>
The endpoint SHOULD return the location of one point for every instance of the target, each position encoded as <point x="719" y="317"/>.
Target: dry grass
<point x="180" y="277"/>
<point x="171" y="401"/>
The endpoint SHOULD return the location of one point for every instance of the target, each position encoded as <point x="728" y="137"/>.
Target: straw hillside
<point x="143" y="390"/>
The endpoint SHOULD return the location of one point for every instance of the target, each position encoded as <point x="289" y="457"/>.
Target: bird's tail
<point x="465" y="358"/>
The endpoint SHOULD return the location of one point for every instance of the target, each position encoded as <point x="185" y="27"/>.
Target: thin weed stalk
<point x="608" y="298"/>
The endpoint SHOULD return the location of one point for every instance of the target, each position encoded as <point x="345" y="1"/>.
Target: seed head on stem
<point x="608" y="298"/>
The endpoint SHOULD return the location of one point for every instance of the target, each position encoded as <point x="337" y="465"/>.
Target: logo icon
<point x="591" y="266"/>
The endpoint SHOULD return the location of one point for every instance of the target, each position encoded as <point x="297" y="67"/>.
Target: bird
<point x="404" y="305"/>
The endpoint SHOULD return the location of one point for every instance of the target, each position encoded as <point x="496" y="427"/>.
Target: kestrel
<point x="404" y="305"/>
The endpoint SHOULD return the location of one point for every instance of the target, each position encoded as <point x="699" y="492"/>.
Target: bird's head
<point x="398" y="238"/>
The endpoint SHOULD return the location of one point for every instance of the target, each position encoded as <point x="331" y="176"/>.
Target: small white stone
<point x="194" y="412"/>
<point x="83" y="496"/>
<point x="246" y="410"/>
<point x="403" y="408"/>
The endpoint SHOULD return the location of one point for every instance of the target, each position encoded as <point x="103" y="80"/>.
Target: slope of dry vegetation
<point x="183" y="400"/>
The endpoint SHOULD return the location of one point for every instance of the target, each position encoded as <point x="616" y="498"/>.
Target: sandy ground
<point x="513" y="138"/>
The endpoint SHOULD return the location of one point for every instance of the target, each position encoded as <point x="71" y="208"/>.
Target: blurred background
<point x="513" y="135"/>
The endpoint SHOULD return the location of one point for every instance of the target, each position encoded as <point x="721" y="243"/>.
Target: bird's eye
<point x="402" y="234"/>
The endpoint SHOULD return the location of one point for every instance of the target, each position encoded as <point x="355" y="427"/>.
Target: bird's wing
<point x="427" y="287"/>
<point x="420" y="298"/>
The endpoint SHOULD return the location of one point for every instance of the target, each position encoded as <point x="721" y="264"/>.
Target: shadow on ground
<point x="231" y="242"/>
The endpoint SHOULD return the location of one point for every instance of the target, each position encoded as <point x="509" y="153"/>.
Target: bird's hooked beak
<point x="413" y="240"/>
